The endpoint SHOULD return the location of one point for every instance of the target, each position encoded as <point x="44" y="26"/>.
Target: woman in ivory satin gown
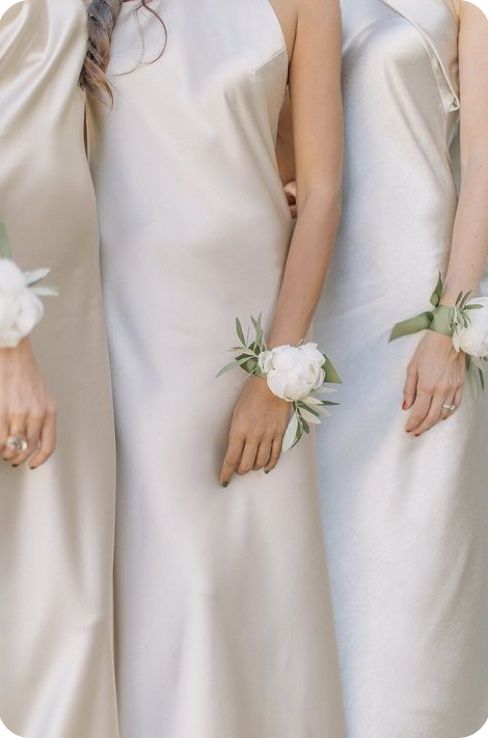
<point x="404" y="496"/>
<point x="223" y="616"/>
<point x="56" y="518"/>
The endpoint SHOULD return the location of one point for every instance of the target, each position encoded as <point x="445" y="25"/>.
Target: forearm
<point x="469" y="253"/>
<point x="306" y="266"/>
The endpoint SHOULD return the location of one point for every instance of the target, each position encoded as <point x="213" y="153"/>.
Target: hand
<point x="256" y="432"/>
<point x="435" y="378"/>
<point x="26" y="407"/>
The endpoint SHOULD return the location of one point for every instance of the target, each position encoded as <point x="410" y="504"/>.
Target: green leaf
<point x="437" y="294"/>
<point x="5" y="251"/>
<point x="332" y="376"/>
<point x="240" y="332"/>
<point x="46" y="291"/>
<point x="35" y="276"/>
<point x="227" y="368"/>
<point x="309" y="416"/>
<point x="290" y="437"/>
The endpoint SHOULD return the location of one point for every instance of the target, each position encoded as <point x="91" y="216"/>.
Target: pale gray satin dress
<point x="223" y="616"/>
<point x="56" y="522"/>
<point x="406" y="519"/>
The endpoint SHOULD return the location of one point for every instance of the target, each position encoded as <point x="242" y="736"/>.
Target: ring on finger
<point x="17" y="442"/>
<point x="449" y="408"/>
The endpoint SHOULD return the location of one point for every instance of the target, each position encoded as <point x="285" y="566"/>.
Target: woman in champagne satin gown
<point x="406" y="519"/>
<point x="223" y="617"/>
<point x="57" y="521"/>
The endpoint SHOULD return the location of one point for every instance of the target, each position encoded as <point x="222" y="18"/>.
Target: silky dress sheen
<point x="405" y="518"/>
<point x="223" y="617"/>
<point x="57" y="522"/>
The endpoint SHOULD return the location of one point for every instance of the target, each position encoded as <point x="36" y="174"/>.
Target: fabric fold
<point x="439" y="28"/>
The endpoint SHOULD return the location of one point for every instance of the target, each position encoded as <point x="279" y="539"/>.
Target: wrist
<point x="11" y="354"/>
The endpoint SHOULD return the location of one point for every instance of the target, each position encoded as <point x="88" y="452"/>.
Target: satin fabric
<point x="57" y="522"/>
<point x="223" y="617"/>
<point x="406" y="519"/>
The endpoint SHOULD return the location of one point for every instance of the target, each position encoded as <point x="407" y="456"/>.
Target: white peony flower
<point x="20" y="308"/>
<point x="292" y="373"/>
<point x="473" y="340"/>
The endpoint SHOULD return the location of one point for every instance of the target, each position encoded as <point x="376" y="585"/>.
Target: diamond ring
<point x="450" y="408"/>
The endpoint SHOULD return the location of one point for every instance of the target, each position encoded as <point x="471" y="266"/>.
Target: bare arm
<point x="436" y="374"/>
<point x="315" y="94"/>
<point x="313" y="28"/>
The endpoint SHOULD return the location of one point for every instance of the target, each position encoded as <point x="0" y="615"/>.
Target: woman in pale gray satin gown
<point x="223" y="617"/>
<point x="406" y="518"/>
<point x="57" y="518"/>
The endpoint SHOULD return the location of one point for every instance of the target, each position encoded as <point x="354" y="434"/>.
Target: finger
<point x="449" y="401"/>
<point x="17" y="427"/>
<point x="419" y="411"/>
<point x="275" y="454"/>
<point x="33" y="437"/>
<point x="263" y="454"/>
<point x="47" y="441"/>
<point x="231" y="460"/>
<point x="248" y="458"/>
<point x="458" y="397"/>
<point x="434" y="414"/>
<point x="410" y="388"/>
<point x="3" y="432"/>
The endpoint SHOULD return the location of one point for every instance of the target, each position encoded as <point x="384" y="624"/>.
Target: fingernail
<point x="15" y="466"/>
<point x="267" y="471"/>
<point x="225" y="484"/>
<point x="404" y="406"/>
<point x="417" y="435"/>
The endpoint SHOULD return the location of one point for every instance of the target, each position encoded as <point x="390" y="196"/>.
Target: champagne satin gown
<point x="57" y="522"/>
<point x="223" y="616"/>
<point x="406" y="519"/>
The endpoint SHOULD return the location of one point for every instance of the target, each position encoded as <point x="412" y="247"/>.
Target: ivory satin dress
<point x="57" y="522"/>
<point x="405" y="518"/>
<point x="223" y="617"/>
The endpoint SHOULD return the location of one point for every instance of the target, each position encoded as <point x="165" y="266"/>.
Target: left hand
<point x="259" y="422"/>
<point x="435" y="378"/>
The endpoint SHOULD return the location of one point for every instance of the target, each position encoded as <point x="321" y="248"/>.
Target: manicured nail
<point x="15" y="466"/>
<point x="225" y="484"/>
<point x="267" y="471"/>
<point x="417" y="435"/>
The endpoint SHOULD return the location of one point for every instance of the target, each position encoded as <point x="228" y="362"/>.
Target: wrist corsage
<point x="466" y="323"/>
<point x="20" y="307"/>
<point x="297" y="374"/>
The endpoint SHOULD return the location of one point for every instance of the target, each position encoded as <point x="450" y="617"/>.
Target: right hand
<point x="26" y="407"/>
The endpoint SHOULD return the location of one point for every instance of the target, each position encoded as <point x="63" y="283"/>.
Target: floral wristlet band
<point x="297" y="374"/>
<point x="441" y="319"/>
<point x="20" y="307"/>
<point x="466" y="322"/>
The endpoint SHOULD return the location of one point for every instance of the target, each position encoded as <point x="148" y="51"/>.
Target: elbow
<point x="326" y="200"/>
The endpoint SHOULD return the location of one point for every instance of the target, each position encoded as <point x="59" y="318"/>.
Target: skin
<point x="27" y="408"/>
<point x="312" y="29"/>
<point x="436" y="373"/>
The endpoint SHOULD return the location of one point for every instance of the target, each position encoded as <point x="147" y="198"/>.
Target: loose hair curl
<point x="102" y="17"/>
